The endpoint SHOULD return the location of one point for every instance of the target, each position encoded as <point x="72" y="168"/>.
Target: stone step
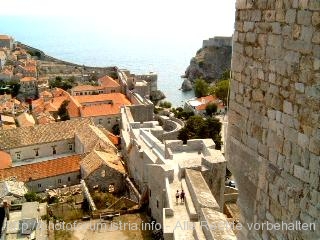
<point x="183" y="234"/>
<point x="188" y="201"/>
<point x="197" y="232"/>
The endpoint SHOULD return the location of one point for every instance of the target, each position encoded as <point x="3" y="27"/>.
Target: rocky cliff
<point x="210" y="62"/>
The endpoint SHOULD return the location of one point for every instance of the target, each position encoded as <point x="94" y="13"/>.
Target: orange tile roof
<point x="115" y="97"/>
<point x="108" y="81"/>
<point x="208" y="99"/>
<point x="28" y="79"/>
<point x="100" y="110"/>
<point x="5" y="37"/>
<point x="86" y="88"/>
<point x="41" y="170"/>
<point x="46" y="94"/>
<point x="5" y="160"/>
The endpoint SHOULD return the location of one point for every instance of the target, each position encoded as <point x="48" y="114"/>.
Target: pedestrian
<point x="177" y="196"/>
<point x="182" y="195"/>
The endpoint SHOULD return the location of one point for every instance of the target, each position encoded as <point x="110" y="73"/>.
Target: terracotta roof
<point x="107" y="82"/>
<point x="46" y="94"/>
<point x="208" y="99"/>
<point x="96" y="159"/>
<point x="41" y="170"/>
<point x="92" y="136"/>
<point x="27" y="79"/>
<point x="25" y="136"/>
<point x="86" y="88"/>
<point x="100" y="110"/>
<point x="5" y="37"/>
<point x="5" y="160"/>
<point x="115" y="97"/>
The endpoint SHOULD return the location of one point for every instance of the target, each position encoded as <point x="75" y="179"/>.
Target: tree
<point x="201" y="88"/>
<point x="165" y="104"/>
<point x="221" y="89"/>
<point x="32" y="197"/>
<point x="211" y="108"/>
<point x="197" y="127"/>
<point x="63" y="112"/>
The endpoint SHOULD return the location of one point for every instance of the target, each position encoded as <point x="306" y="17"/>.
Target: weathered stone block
<point x="299" y="87"/>
<point x="275" y="41"/>
<point x="301" y="173"/>
<point x="298" y="45"/>
<point x="287" y="107"/>
<point x="304" y="17"/>
<point x="291" y="16"/>
<point x="248" y="26"/>
<point x="269" y="15"/>
<point x="314" y="145"/>
<point x="251" y="37"/>
<point x="314" y="5"/>
<point x="303" y="140"/>
<point x="306" y="33"/>
<point x="316" y="19"/>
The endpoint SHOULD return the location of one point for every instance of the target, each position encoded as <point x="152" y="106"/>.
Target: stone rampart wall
<point x="274" y="115"/>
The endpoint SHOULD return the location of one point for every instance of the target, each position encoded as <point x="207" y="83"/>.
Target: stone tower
<point x="273" y="143"/>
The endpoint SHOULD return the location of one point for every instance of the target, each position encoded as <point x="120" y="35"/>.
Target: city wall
<point x="273" y="143"/>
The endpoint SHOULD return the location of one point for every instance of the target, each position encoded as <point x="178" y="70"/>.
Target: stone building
<point x="273" y="144"/>
<point x="103" y="169"/>
<point x="47" y="174"/>
<point x="161" y="167"/>
<point x="6" y="42"/>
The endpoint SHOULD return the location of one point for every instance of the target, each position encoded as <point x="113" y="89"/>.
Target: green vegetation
<point x="63" y="112"/>
<point x="32" y="197"/>
<point x="220" y="90"/>
<point x="34" y="53"/>
<point x="197" y="127"/>
<point x="201" y="88"/>
<point x="211" y="108"/>
<point x="165" y="104"/>
<point x="11" y="87"/>
<point x="65" y="84"/>
<point x="181" y="114"/>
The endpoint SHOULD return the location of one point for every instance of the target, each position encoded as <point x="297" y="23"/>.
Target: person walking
<point x="177" y="196"/>
<point x="182" y="196"/>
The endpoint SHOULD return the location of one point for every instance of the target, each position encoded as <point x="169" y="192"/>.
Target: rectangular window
<point x="100" y="121"/>
<point x="39" y="185"/>
<point x="59" y="180"/>
<point x="70" y="146"/>
<point x="113" y="91"/>
<point x="18" y="155"/>
<point x="109" y="120"/>
<point x="54" y="151"/>
<point x="69" y="179"/>
<point x="36" y="151"/>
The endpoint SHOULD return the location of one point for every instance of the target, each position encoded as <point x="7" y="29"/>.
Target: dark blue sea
<point x="76" y="40"/>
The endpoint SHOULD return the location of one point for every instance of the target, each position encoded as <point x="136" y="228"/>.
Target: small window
<point x="109" y="120"/>
<point x="150" y="193"/>
<point x="36" y="152"/>
<point x="59" y="180"/>
<point x="100" y="121"/>
<point x="70" y="146"/>
<point x="69" y="179"/>
<point x="54" y="151"/>
<point x="157" y="204"/>
<point x="18" y="155"/>
<point x="39" y="185"/>
<point x="113" y="91"/>
<point x="78" y="176"/>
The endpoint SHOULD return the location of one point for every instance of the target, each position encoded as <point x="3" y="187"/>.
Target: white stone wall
<point x="107" y="121"/>
<point x="41" y="185"/>
<point x="44" y="150"/>
<point x="273" y="143"/>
